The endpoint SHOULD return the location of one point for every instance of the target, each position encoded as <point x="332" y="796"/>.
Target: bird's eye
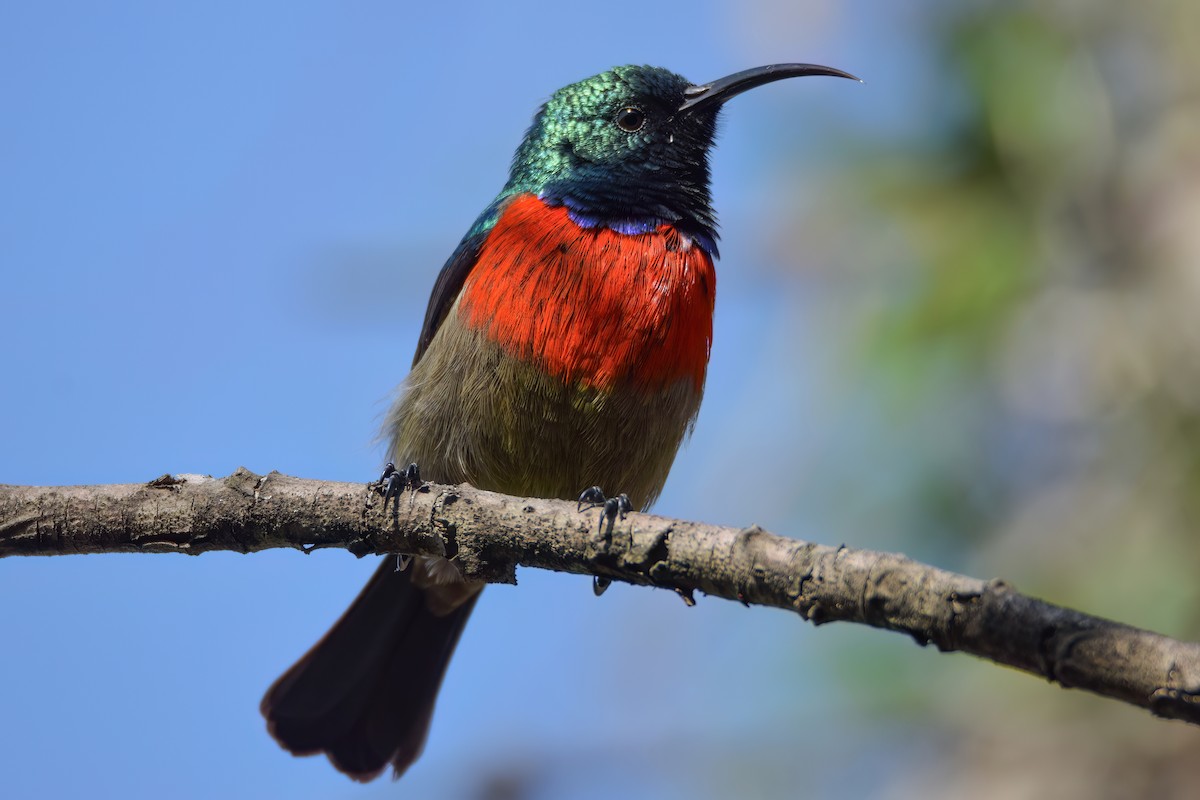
<point x="630" y="119"/>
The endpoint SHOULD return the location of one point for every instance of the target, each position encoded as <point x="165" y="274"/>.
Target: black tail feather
<point x="364" y="694"/>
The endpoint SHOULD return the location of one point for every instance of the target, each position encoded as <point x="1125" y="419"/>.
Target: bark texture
<point x="489" y="535"/>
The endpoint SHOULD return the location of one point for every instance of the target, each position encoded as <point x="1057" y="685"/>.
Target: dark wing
<point x="454" y="273"/>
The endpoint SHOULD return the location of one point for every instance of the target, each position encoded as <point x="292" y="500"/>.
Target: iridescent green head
<point x="632" y="143"/>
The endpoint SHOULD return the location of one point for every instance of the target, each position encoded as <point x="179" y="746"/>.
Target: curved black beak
<point x="720" y="90"/>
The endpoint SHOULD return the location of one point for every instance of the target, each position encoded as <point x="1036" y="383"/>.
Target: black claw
<point x="590" y="498"/>
<point x="393" y="482"/>
<point x="618" y="506"/>
<point x="614" y="507"/>
<point x="393" y="487"/>
<point x="380" y="484"/>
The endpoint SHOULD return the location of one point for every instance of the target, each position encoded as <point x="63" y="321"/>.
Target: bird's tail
<point x="364" y="694"/>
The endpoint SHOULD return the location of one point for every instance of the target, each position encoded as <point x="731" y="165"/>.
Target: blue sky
<point x="219" y="224"/>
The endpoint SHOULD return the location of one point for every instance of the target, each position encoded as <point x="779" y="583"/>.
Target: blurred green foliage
<point x="1034" y="356"/>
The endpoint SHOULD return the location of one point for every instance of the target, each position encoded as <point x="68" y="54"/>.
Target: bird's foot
<point x="614" y="508"/>
<point x="393" y="482"/>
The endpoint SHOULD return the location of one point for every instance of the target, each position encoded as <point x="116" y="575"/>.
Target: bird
<point x="565" y="345"/>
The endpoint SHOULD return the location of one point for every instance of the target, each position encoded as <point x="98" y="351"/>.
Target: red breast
<point x="592" y="305"/>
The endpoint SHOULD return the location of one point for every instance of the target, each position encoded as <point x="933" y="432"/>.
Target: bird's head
<point x="632" y="143"/>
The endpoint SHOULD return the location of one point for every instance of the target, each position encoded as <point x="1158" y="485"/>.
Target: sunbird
<point x="565" y="346"/>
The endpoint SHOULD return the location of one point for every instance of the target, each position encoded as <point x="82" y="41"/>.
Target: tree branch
<point x="489" y="535"/>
